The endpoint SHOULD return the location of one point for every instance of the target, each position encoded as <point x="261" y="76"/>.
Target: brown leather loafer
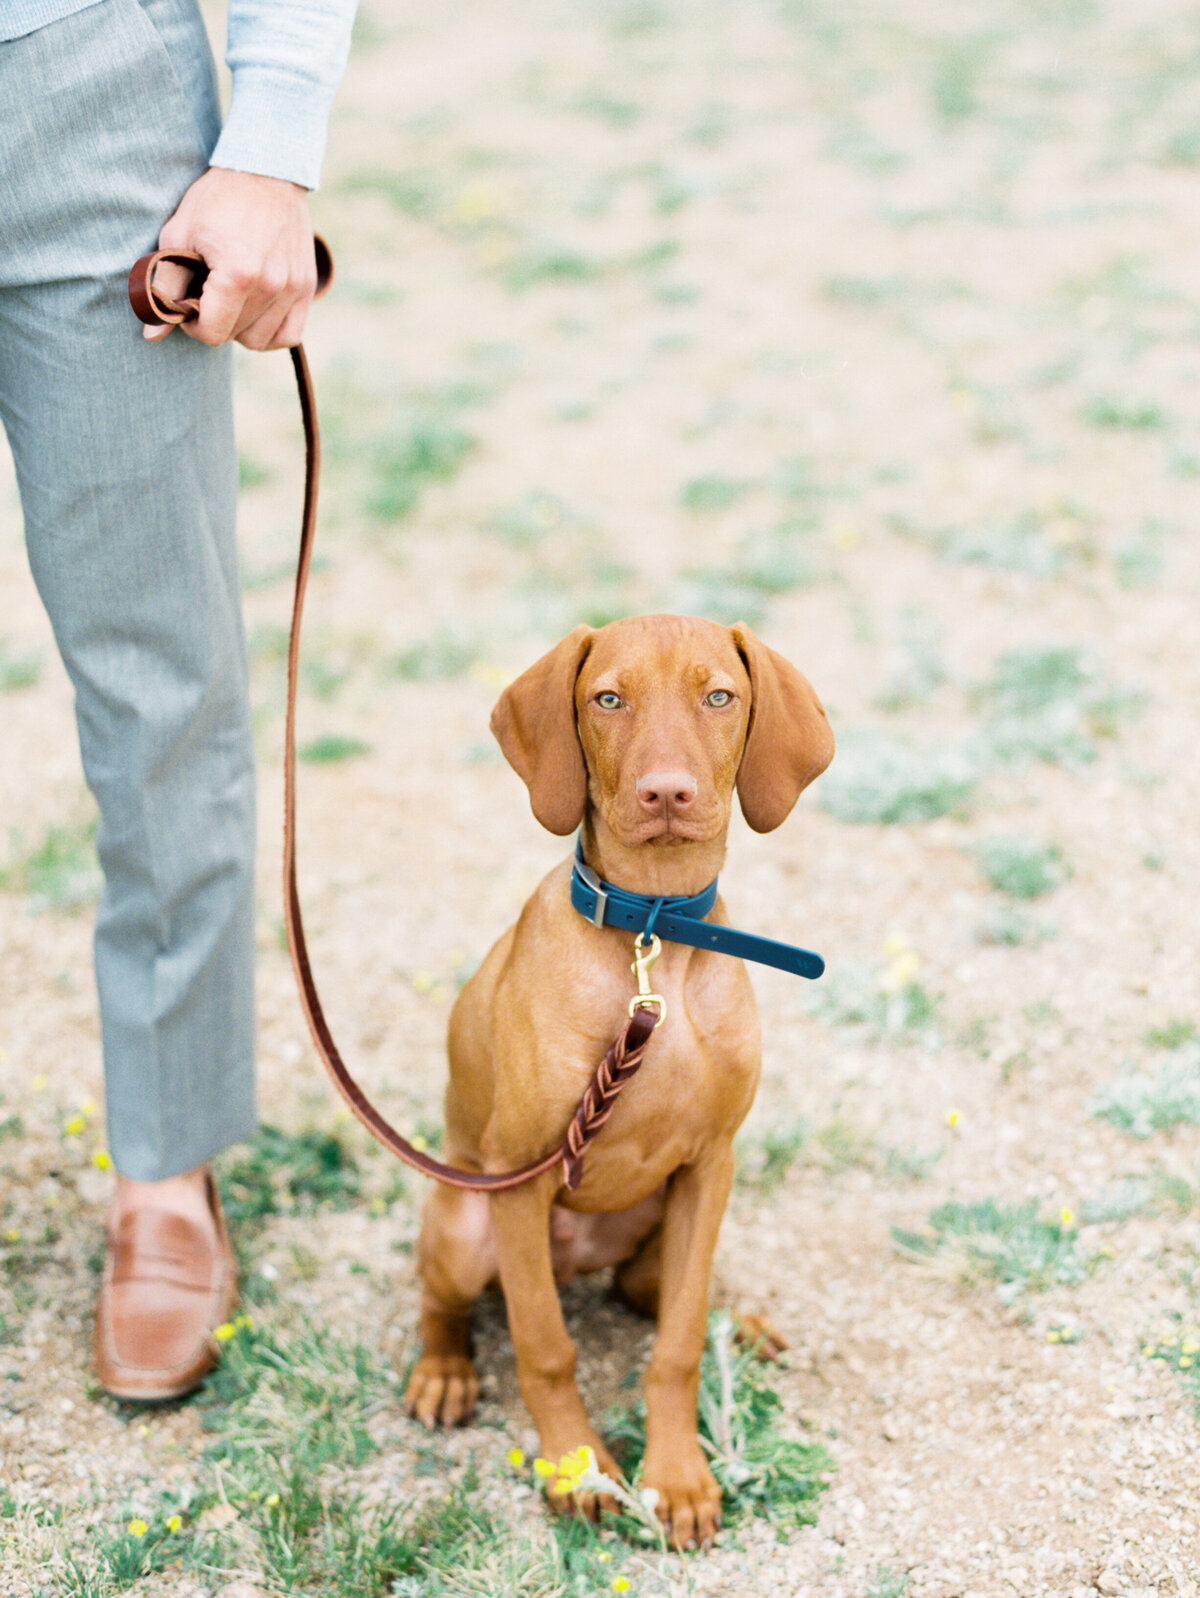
<point x="167" y="1286"/>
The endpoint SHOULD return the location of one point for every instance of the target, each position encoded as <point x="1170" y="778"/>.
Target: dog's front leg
<point x="543" y="1347"/>
<point x="689" y="1500"/>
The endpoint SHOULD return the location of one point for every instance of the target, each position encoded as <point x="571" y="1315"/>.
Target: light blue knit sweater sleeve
<point x="286" y="58"/>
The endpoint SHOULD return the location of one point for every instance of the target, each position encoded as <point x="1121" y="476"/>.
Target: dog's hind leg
<point x="637" y="1281"/>
<point x="456" y="1259"/>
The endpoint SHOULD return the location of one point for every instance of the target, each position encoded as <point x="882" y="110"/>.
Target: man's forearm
<point x="287" y="58"/>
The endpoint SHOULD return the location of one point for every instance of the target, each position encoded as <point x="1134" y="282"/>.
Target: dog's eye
<point x="719" y="698"/>
<point x="609" y="700"/>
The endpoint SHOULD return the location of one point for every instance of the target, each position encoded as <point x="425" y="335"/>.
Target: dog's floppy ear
<point x="534" y="724"/>
<point x="789" y="742"/>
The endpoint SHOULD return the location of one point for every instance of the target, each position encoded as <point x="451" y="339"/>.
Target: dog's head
<point x="654" y="721"/>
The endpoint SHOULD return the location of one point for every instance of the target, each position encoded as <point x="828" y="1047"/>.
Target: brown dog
<point x="640" y="731"/>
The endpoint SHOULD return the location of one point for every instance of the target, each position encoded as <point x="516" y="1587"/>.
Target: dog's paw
<point x="442" y="1390"/>
<point x="689" y="1500"/>
<point x="756" y="1333"/>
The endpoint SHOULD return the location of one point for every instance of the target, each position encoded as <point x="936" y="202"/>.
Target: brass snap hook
<point x="644" y="957"/>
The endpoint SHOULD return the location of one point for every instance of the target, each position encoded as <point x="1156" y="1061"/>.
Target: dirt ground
<point x="879" y="325"/>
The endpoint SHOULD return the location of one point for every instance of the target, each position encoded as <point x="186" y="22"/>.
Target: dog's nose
<point x="664" y="792"/>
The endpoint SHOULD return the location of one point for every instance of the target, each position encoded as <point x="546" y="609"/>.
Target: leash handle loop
<point x="157" y="309"/>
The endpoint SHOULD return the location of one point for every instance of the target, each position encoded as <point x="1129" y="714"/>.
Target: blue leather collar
<point x="680" y="920"/>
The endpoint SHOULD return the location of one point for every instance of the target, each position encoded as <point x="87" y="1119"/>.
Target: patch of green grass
<point x="1172" y="1034"/>
<point x="536" y="265"/>
<point x="411" y="195"/>
<point x="1125" y="413"/>
<point x="1019" y="866"/>
<point x="1010" y="1244"/>
<point x="283" y="1173"/>
<point x="18" y="671"/>
<point x="876" y="779"/>
<point x="1050" y="703"/>
<point x="712" y="492"/>
<point x="1144" y="1102"/>
<point x="763" y="1474"/>
<point x="888" y="1583"/>
<point x="538" y="516"/>
<point x="331" y="747"/>
<point x="765" y="1158"/>
<point x="253" y="473"/>
<point x="1179" y="1349"/>
<point x="954" y="85"/>
<point x="889" y="1002"/>
<point x="61" y="873"/>
<point x="435" y="659"/>
<point x="764" y="565"/>
<point x="429" y="447"/>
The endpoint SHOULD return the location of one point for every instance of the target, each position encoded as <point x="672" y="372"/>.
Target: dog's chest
<point x="692" y="1091"/>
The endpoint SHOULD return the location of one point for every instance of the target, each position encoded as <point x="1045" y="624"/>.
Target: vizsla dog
<point x="639" y="733"/>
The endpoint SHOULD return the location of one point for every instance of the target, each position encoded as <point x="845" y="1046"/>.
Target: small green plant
<point x="1010" y="1244"/>
<point x="1180" y="1350"/>
<point x="428" y="447"/>
<point x="887" y="997"/>
<point x="888" y="1583"/>
<point x="1144" y="1102"/>
<point x="1172" y="1034"/>
<point x="712" y="493"/>
<point x="762" y="1473"/>
<point x="330" y="748"/>
<point x="1051" y="704"/>
<point x="61" y="873"/>
<point x="538" y="264"/>
<point x="443" y="656"/>
<point x="877" y="779"/>
<point x="281" y="1173"/>
<point x="956" y="73"/>
<point x="1129" y="414"/>
<point x="1019" y="866"/>
<point x="18" y="671"/>
<point x="765" y="1159"/>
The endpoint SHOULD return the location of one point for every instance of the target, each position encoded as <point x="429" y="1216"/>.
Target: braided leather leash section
<point x="623" y="1058"/>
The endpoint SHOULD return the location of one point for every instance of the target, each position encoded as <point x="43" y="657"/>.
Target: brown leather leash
<point x="620" y="1064"/>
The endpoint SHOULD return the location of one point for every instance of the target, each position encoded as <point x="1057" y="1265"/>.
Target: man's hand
<point x="256" y="236"/>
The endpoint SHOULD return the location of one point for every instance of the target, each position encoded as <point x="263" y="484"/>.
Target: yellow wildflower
<point x="175" y="1523"/>
<point x="225" y="1332"/>
<point x="74" y="1126"/>
<point x="1066" y="1216"/>
<point x="516" y="1457"/>
<point x="102" y="1160"/>
<point x="88" y="1108"/>
<point x="12" y="1235"/>
<point x="138" y="1528"/>
<point x="620" y="1584"/>
<point x="420" y="1143"/>
<point x="1186" y="1362"/>
<point x="573" y="1467"/>
<point x="543" y="1467"/>
<point x="272" y="1500"/>
<point x="423" y="981"/>
<point x="953" y="1117"/>
<point x="1190" y="1346"/>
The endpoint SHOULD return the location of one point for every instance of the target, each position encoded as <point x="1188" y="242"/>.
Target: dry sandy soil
<point x="879" y="324"/>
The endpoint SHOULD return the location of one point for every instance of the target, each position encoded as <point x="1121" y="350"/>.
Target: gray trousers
<point x="125" y="459"/>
